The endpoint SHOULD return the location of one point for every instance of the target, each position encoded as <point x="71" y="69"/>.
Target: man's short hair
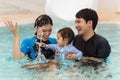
<point x="88" y="14"/>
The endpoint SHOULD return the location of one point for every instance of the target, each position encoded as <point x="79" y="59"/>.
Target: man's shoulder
<point x="52" y="40"/>
<point x="100" y="38"/>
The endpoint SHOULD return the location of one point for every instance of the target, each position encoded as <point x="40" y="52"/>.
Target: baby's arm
<point x="48" y="46"/>
<point x="51" y="46"/>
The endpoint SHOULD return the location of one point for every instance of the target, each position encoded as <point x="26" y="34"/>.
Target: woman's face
<point x="44" y="32"/>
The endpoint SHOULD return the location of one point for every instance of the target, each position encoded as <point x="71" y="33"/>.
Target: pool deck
<point x="14" y="10"/>
<point x="17" y="11"/>
<point x="109" y="16"/>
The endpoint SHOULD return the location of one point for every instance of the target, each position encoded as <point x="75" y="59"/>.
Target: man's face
<point x="81" y="26"/>
<point x="45" y="30"/>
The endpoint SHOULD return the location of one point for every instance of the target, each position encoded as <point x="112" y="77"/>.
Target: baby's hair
<point x="68" y="33"/>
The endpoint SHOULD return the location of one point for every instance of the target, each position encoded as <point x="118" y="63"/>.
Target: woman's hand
<point x="12" y="27"/>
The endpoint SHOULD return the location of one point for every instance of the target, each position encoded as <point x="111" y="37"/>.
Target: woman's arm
<point x="17" y="54"/>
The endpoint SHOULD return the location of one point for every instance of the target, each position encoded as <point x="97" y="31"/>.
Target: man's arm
<point x="93" y="59"/>
<point x="103" y="50"/>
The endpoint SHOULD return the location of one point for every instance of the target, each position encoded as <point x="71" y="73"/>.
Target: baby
<point x="64" y="49"/>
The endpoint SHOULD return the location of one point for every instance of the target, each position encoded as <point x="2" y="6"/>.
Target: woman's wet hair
<point x="43" y="20"/>
<point x="68" y="33"/>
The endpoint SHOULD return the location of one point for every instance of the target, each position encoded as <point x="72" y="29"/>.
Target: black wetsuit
<point x="97" y="46"/>
<point x="49" y="54"/>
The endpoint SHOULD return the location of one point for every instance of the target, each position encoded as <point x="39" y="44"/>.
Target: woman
<point x="43" y="26"/>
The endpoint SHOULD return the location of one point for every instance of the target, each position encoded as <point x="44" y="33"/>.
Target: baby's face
<point x="60" y="40"/>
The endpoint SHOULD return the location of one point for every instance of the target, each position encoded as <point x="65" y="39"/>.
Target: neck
<point x="65" y="44"/>
<point x="88" y="35"/>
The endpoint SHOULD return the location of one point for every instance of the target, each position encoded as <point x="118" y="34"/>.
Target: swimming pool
<point x="10" y="69"/>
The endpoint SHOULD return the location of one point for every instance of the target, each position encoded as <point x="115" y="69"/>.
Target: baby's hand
<point x="57" y="53"/>
<point x="43" y="45"/>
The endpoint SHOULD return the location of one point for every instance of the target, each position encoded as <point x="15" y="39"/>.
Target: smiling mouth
<point x="45" y="37"/>
<point x="79" y="29"/>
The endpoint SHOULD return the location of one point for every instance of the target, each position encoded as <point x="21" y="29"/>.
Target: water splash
<point x="40" y="57"/>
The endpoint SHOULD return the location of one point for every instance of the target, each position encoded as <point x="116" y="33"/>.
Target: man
<point x="93" y="46"/>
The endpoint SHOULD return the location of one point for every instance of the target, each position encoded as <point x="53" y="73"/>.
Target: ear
<point x="65" y="39"/>
<point x="90" y="23"/>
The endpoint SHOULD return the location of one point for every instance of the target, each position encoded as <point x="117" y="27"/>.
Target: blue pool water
<point x="11" y="70"/>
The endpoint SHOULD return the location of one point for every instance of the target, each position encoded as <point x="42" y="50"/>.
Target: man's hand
<point x="71" y="56"/>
